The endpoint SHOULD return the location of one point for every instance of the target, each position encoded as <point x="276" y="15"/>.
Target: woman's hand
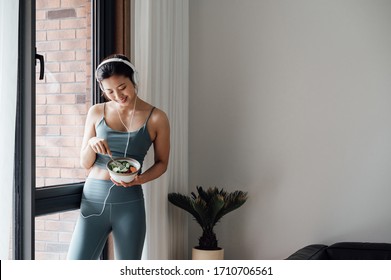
<point x="136" y="181"/>
<point x="99" y="145"/>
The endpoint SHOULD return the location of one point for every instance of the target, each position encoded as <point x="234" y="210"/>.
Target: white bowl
<point x="125" y="177"/>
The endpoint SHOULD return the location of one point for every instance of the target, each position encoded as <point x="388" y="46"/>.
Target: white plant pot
<point x="198" y="254"/>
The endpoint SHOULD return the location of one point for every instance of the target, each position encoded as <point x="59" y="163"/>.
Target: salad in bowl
<point x="123" y="169"/>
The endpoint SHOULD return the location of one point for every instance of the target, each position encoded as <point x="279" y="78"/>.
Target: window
<point x="72" y="37"/>
<point x="63" y="37"/>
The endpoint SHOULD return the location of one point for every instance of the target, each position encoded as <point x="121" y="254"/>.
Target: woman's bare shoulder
<point x="95" y="112"/>
<point x="96" y="109"/>
<point x="158" y="116"/>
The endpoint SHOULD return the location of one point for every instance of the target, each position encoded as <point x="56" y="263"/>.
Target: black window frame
<point x="29" y="201"/>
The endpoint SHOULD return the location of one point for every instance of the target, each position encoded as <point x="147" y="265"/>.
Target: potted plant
<point x="207" y="208"/>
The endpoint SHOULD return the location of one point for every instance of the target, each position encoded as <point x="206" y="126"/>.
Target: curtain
<point x="9" y="13"/>
<point x="161" y="57"/>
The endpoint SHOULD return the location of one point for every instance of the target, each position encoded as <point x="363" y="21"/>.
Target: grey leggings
<point x="123" y="215"/>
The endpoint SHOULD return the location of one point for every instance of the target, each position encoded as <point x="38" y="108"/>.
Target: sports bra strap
<point x="153" y="108"/>
<point x="104" y="105"/>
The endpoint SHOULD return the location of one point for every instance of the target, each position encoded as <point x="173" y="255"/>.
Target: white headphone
<point x="116" y="59"/>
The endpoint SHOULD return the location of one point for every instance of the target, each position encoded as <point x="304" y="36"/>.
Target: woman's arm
<point x="92" y="144"/>
<point x="159" y="127"/>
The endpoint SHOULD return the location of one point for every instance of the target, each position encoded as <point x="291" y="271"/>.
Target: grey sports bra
<point x="139" y="142"/>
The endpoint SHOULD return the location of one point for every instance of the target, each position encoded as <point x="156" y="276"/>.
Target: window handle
<point x="41" y="64"/>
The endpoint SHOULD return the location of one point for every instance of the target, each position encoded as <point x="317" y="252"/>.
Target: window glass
<point x="53" y="234"/>
<point x="63" y="35"/>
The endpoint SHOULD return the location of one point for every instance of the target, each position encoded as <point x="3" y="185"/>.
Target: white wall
<point x="291" y="101"/>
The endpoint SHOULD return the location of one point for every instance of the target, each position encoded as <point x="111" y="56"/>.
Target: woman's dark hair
<point x="115" y="68"/>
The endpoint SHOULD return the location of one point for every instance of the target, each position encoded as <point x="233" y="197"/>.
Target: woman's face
<point x="119" y="89"/>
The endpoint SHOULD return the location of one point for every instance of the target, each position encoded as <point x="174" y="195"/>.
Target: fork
<point x="120" y="165"/>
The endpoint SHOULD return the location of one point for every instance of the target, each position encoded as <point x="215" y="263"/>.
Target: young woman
<point x="125" y="126"/>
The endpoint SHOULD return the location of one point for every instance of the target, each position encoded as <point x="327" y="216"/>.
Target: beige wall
<point x="291" y="101"/>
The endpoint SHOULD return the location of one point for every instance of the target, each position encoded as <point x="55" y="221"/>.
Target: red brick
<point x="74" y="23"/>
<point x="39" y="245"/>
<point x="70" y="152"/>
<point x="40" y="141"/>
<point x="55" y="216"/>
<point x="73" y="173"/>
<point x="72" y="130"/>
<point x="47" y="25"/>
<point x="87" y="5"/>
<point x="61" y="56"/>
<point x="53" y="109"/>
<point x="40" y="161"/>
<point x="52" y="67"/>
<point x="47" y="172"/>
<point x="73" y="66"/>
<point x="80" y="77"/>
<point x="67" y="227"/>
<point x="54" y="120"/>
<point x="40" y="120"/>
<point x="47" y="4"/>
<point x="65" y="237"/>
<point x="58" y="181"/>
<point x="81" y="33"/>
<point x="89" y="20"/>
<point x="48" y="109"/>
<point x="47" y="152"/>
<point x="40" y="15"/>
<point x="40" y="99"/>
<point x="60" y="34"/>
<point x="52" y="225"/>
<point x="40" y="36"/>
<point x="81" y="120"/>
<point x="72" y="3"/>
<point x="59" y="225"/>
<point x="60" y="141"/>
<point x="61" y="13"/>
<point x="46" y="236"/>
<point x="47" y="130"/>
<point x="61" y="99"/>
<point x="81" y="55"/>
<point x="60" y="162"/>
<point x="60" y="120"/>
<point x="77" y="110"/>
<point x="74" y="44"/>
<point x="39" y="223"/>
<point x="48" y="46"/>
<point x="77" y="163"/>
<point x="70" y="215"/>
<point x="40" y="109"/>
<point x="88" y="71"/>
<point x="60" y="77"/>
<point x="78" y="141"/>
<point x="73" y="87"/>
<point x="39" y="182"/>
<point x="89" y="42"/>
<point x="47" y="88"/>
<point x="81" y="12"/>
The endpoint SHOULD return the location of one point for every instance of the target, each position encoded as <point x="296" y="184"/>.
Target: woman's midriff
<point x="99" y="173"/>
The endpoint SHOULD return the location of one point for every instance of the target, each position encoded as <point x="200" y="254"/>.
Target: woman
<point x="125" y="126"/>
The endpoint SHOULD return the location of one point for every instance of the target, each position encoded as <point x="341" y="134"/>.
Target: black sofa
<point x="344" y="251"/>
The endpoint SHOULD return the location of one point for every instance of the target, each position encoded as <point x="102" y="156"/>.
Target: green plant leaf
<point x="216" y="204"/>
<point x="208" y="207"/>
<point x="186" y="203"/>
<point x="232" y="201"/>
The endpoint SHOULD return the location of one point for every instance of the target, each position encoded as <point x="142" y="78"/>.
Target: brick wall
<point x="63" y="98"/>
